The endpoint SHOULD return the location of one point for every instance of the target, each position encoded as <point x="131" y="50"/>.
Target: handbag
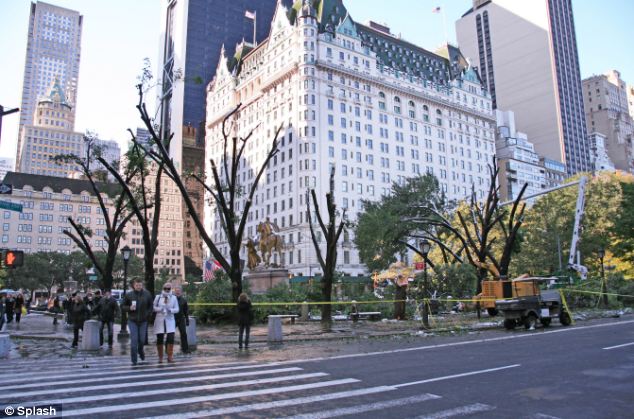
<point x="152" y="316"/>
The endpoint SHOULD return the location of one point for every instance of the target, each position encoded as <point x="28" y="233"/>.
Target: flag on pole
<point x="249" y="15"/>
<point x="210" y="269"/>
<point x="436" y="9"/>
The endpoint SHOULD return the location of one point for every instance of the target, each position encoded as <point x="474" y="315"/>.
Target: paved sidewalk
<point x="36" y="337"/>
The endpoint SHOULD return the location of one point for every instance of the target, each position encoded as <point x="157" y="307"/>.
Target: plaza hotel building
<point x="350" y="96"/>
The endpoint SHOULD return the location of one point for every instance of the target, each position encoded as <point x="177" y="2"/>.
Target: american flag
<point x="249" y="15"/>
<point x="436" y="9"/>
<point x="210" y="268"/>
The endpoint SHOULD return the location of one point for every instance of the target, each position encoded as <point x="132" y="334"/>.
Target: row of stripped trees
<point x="481" y="232"/>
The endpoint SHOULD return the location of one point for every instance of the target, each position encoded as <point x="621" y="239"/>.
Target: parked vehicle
<point x="532" y="304"/>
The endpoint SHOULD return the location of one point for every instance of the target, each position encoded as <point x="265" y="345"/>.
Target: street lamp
<point x="424" y="249"/>
<point x="604" y="284"/>
<point x="125" y="253"/>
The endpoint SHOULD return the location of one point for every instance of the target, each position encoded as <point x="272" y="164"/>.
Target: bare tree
<point x="224" y="188"/>
<point x="479" y="228"/>
<point x="331" y="233"/>
<point x="142" y="198"/>
<point x="115" y="220"/>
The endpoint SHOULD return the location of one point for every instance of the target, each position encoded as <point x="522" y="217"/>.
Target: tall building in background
<point x="518" y="161"/>
<point x="526" y="52"/>
<point x="49" y="134"/>
<point x="355" y="98"/>
<point x="53" y="51"/>
<point x="194" y="33"/>
<point x="607" y="113"/>
<point x="7" y="165"/>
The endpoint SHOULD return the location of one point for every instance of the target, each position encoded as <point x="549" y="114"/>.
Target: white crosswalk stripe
<point x="202" y="388"/>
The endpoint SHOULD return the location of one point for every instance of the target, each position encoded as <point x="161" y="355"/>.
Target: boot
<point x="159" y="349"/>
<point x="170" y="352"/>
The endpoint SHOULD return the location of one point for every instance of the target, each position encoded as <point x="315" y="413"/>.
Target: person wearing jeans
<point x="107" y="310"/>
<point x="138" y="304"/>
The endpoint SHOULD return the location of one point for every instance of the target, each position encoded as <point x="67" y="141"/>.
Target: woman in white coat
<point x="165" y="306"/>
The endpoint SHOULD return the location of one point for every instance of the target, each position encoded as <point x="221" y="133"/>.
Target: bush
<point x="216" y="291"/>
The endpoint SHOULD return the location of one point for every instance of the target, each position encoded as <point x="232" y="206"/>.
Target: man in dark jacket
<point x="138" y="304"/>
<point x="9" y="305"/>
<point x="182" y="319"/>
<point x="79" y="314"/>
<point x="107" y="310"/>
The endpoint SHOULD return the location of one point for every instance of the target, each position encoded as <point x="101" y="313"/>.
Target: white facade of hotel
<point x="339" y="108"/>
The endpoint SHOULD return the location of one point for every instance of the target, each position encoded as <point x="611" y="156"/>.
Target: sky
<point x="119" y="34"/>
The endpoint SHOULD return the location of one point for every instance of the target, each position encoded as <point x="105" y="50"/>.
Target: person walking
<point x="182" y="318"/>
<point x="165" y="307"/>
<point x="245" y="316"/>
<point x="2" y="311"/>
<point x="19" y="305"/>
<point x="138" y="304"/>
<point x="9" y="304"/>
<point x="54" y="306"/>
<point x="107" y="310"/>
<point x="79" y="313"/>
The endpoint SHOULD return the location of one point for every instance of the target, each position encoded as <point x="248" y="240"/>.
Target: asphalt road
<point x="584" y="371"/>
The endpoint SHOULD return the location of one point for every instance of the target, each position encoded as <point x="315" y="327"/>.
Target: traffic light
<point x="13" y="258"/>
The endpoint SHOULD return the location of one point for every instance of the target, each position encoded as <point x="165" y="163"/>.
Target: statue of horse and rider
<point x="268" y="243"/>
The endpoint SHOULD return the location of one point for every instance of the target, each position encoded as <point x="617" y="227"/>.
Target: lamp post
<point x="424" y="246"/>
<point x="125" y="253"/>
<point x="604" y="284"/>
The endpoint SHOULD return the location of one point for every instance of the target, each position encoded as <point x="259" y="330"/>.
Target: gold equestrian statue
<point x="253" y="259"/>
<point x="269" y="241"/>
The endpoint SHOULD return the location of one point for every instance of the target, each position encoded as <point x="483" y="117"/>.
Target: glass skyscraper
<point x="195" y="31"/>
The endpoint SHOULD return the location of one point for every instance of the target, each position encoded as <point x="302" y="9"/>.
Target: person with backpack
<point x="245" y="317"/>
<point x="165" y="307"/>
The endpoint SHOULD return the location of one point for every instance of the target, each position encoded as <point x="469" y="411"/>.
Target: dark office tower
<point x="195" y="31"/>
<point x="526" y="53"/>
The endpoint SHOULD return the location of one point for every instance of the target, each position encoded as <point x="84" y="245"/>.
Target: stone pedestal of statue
<point x="262" y="279"/>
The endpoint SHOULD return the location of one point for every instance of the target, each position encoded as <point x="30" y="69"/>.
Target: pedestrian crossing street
<point x="196" y="388"/>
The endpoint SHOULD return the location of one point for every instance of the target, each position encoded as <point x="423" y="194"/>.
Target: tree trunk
<point x="236" y="281"/>
<point x="326" y="293"/>
<point x="399" y="306"/>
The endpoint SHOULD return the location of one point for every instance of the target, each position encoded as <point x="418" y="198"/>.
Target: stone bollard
<point x="191" y="333"/>
<point x="90" y="336"/>
<point x="304" y="316"/>
<point x="5" y="345"/>
<point x="275" y="329"/>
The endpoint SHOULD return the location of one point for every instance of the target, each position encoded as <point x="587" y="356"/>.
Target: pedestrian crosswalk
<point x="196" y="388"/>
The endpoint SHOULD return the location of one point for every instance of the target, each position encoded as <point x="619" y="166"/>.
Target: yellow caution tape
<point x="596" y="292"/>
<point x="563" y="300"/>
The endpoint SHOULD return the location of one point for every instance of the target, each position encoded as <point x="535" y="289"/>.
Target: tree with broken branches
<point x="224" y="188"/>
<point x="480" y="226"/>
<point x="331" y="233"/>
<point x="144" y="200"/>
<point x="115" y="219"/>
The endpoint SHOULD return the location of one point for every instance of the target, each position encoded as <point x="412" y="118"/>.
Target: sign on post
<point x="6" y="188"/>
<point x="11" y="206"/>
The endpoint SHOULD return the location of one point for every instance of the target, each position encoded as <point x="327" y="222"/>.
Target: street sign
<point x="6" y="188"/>
<point x="11" y="206"/>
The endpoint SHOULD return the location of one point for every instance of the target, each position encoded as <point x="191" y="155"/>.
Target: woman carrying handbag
<point x="165" y="306"/>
